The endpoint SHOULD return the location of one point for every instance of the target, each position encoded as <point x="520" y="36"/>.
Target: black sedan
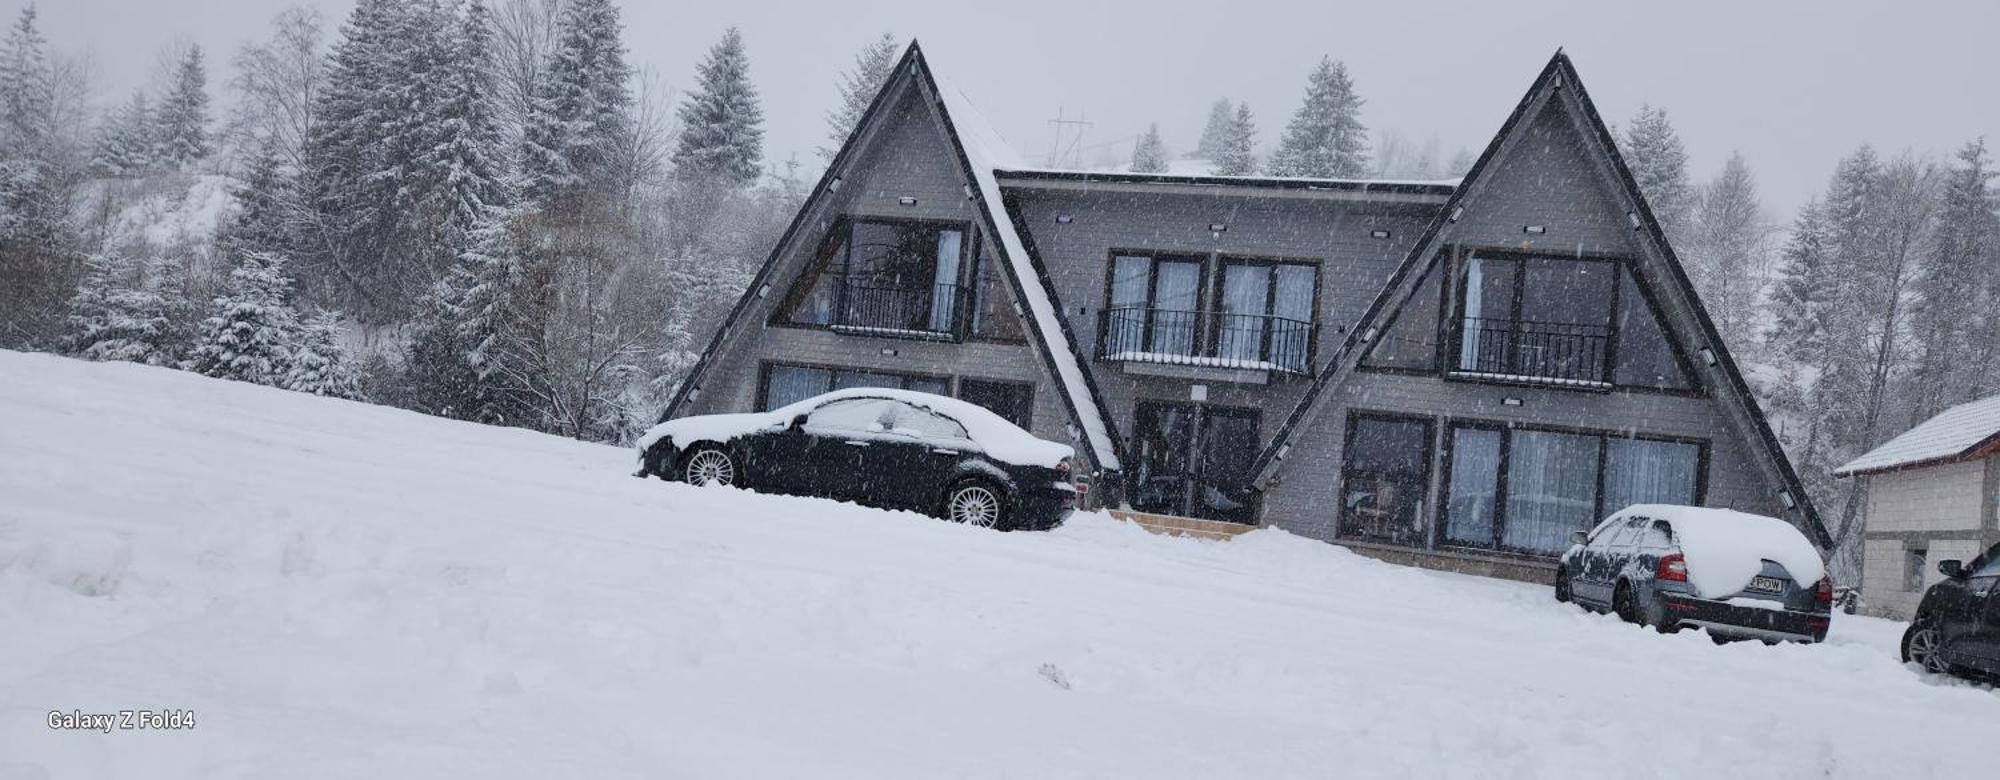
<point x="895" y="449"/>
<point x="1957" y="627"/>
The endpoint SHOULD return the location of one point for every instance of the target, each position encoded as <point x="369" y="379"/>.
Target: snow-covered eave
<point x="1427" y="191"/>
<point x="1866" y="465"/>
<point x="983" y="154"/>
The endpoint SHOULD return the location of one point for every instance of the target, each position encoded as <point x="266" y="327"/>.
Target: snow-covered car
<point x="896" y="449"/>
<point x="1957" y="627"/>
<point x="1737" y="575"/>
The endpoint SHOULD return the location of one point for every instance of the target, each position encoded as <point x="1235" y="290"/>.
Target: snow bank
<point x="1002" y="440"/>
<point x="341" y="590"/>
<point x="1726" y="548"/>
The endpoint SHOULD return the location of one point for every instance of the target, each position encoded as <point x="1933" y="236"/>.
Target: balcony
<point x="1534" y="352"/>
<point x="939" y="311"/>
<point x="1253" y="342"/>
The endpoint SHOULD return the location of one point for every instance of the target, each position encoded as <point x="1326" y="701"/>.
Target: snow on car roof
<point x="1002" y="440"/>
<point x="1953" y="433"/>
<point x="1725" y="548"/>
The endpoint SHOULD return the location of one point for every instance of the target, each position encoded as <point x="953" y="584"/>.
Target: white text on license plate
<point x="1767" y="585"/>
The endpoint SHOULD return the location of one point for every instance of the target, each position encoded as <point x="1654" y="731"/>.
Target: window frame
<point x="1212" y="268"/>
<point x="1028" y="419"/>
<point x="765" y="368"/>
<point x="1455" y="350"/>
<point x="836" y="247"/>
<point x="1704" y="449"/>
<point x="1451" y="324"/>
<point x="1427" y="511"/>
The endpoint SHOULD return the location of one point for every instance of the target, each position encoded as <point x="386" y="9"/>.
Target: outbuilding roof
<point x="1964" y="431"/>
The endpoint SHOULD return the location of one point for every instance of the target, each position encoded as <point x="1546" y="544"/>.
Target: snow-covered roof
<point x="985" y="153"/>
<point x="1437" y="187"/>
<point x="1954" y="433"/>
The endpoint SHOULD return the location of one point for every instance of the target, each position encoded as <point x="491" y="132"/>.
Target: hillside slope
<point x="343" y="590"/>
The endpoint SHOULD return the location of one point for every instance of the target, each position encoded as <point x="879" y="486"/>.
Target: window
<point x="888" y="275"/>
<point x="1385" y="478"/>
<point x="1410" y="342"/>
<point x="1535" y="317"/>
<point x="785" y="384"/>
<point x="1646" y="357"/>
<point x="1913" y="568"/>
<point x="1014" y="401"/>
<point x="1162" y="308"/>
<point x="993" y="313"/>
<point x="854" y="414"/>
<point x="1526" y="490"/>
<point x="926" y="424"/>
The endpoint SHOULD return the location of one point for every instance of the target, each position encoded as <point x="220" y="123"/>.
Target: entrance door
<point x="1193" y="461"/>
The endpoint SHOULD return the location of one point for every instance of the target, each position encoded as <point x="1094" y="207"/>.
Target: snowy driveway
<point x="340" y="590"/>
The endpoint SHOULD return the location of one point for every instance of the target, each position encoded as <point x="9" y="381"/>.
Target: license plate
<point x="1767" y="585"/>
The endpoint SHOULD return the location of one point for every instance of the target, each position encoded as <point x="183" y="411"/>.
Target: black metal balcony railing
<point x="1565" y="352"/>
<point x="1202" y="338"/>
<point x="935" y="310"/>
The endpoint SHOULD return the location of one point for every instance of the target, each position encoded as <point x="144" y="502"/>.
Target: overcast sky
<point x="1792" y="85"/>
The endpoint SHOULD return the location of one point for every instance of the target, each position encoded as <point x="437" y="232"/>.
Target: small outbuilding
<point x="1932" y="494"/>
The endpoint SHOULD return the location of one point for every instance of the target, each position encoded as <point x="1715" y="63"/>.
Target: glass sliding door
<point x="1384" y="480"/>
<point x="945" y="289"/>
<point x="1194" y="460"/>
<point x="1638" y="471"/>
<point x="1551" y="489"/>
<point x="1292" y="308"/>
<point x="1164" y="437"/>
<point x="1239" y="331"/>
<point x="1472" y="507"/>
<point x="1222" y="483"/>
<point x="1125" y="321"/>
<point x="1176" y="307"/>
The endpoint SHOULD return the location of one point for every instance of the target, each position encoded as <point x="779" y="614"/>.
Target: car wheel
<point x="709" y="465"/>
<point x="975" y="503"/>
<point x="1920" y="647"/>
<point x="1562" y="586"/>
<point x="1625" y="605"/>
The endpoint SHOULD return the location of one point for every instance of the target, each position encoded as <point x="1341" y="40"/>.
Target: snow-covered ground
<point x="341" y="590"/>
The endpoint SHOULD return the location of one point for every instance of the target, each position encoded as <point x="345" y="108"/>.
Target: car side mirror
<point x="1579" y="537"/>
<point x="798" y="421"/>
<point x="1951" y="568"/>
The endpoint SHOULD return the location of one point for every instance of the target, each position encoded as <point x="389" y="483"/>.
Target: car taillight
<point x="1063" y="466"/>
<point x="1825" y="594"/>
<point x="1672" y="568"/>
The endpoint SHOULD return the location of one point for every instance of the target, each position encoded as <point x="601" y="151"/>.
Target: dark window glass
<point x="814" y="295"/>
<point x="993" y="312"/>
<point x="926" y="384"/>
<point x="1471" y="504"/>
<point x="1645" y="356"/>
<point x="1410" y="341"/>
<point x="1383" y="484"/>
<point x="786" y="385"/>
<point x="1164" y="437"/>
<point x="1176" y="306"/>
<point x="1537" y="317"/>
<point x="1228" y="446"/>
<point x="1011" y="400"/>
<point x="1551" y="489"/>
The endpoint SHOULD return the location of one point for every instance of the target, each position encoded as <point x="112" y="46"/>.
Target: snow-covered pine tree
<point x="857" y="90"/>
<point x="320" y="364"/>
<point x="1325" y="138"/>
<point x="116" y="316"/>
<point x="1804" y="291"/>
<point x="1726" y="250"/>
<point x="124" y="146"/>
<point x="722" y="125"/>
<point x="1461" y="163"/>
<point x="484" y="300"/>
<point x="181" y="129"/>
<point x="1215" y="134"/>
<point x="350" y="192"/>
<point x="252" y="327"/>
<point x="462" y="154"/>
<point x="1238" y="153"/>
<point x="1948" y="321"/>
<point x="265" y="207"/>
<point x="28" y="212"/>
<point x="1659" y="164"/>
<point x="1149" y="155"/>
<point x="578" y="112"/>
